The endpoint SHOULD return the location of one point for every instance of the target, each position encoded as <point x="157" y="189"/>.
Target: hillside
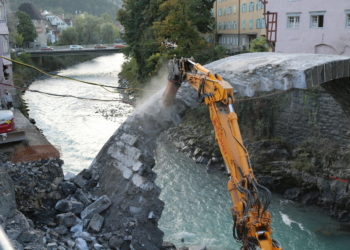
<point x="70" y="7"/>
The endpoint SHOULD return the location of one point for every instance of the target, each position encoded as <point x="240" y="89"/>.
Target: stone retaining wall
<point x="311" y="114"/>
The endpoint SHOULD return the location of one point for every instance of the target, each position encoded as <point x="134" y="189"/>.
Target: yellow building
<point x="238" y="22"/>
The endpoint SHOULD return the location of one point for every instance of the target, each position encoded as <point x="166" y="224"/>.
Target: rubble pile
<point x="63" y="212"/>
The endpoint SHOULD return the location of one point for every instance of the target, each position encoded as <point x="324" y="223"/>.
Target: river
<point x="197" y="209"/>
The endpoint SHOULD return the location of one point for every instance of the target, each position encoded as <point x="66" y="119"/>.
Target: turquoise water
<point x="198" y="205"/>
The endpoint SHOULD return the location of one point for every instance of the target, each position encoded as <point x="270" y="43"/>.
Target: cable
<point x="68" y="78"/>
<point x="71" y="96"/>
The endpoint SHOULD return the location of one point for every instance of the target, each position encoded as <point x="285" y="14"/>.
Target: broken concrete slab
<point x="96" y="222"/>
<point x="98" y="206"/>
<point x="278" y="67"/>
<point x="67" y="219"/>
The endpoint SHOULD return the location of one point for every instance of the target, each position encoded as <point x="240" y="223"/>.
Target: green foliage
<point x="105" y="18"/>
<point x="60" y="7"/>
<point x="149" y="24"/>
<point x="107" y="33"/>
<point x="259" y="45"/>
<point x="22" y="73"/>
<point x="25" y="27"/>
<point x="16" y="38"/>
<point x="68" y="36"/>
<point x="183" y="26"/>
<point x="129" y="72"/>
<point x="91" y="30"/>
<point x="210" y="54"/>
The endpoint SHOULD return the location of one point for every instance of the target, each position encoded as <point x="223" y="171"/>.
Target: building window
<point x="250" y="23"/>
<point x="262" y="22"/>
<point x="317" y="19"/>
<point x="293" y="22"/>
<point x="224" y="25"/>
<point x="219" y="12"/>
<point x="2" y="12"/>
<point x="225" y="11"/>
<point x="251" y="6"/>
<point x="234" y="9"/>
<point x="347" y="23"/>
<point x="258" y="5"/>
<point x="243" y="24"/>
<point x="234" y="25"/>
<point x="5" y="45"/>
<point x="244" y="7"/>
<point x="258" y="25"/>
<point x="211" y="12"/>
<point x="229" y="11"/>
<point x="229" y="25"/>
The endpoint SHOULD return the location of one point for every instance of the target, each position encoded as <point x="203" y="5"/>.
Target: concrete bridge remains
<point x="123" y="167"/>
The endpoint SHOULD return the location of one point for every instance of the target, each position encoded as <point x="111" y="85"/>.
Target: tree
<point x="149" y="24"/>
<point x="68" y="36"/>
<point x="90" y="29"/>
<point x="25" y="27"/>
<point x="259" y="45"/>
<point x="107" y="33"/>
<point x="105" y="18"/>
<point x="79" y="25"/>
<point x="16" y="38"/>
<point x="183" y="25"/>
<point x="137" y="17"/>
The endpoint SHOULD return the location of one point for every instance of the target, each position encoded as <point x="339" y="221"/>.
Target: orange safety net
<point x="34" y="153"/>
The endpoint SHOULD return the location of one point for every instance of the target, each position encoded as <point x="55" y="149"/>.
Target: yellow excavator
<point x="252" y="221"/>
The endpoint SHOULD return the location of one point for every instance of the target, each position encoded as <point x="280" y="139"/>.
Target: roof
<point x="31" y="11"/>
<point x="3" y="29"/>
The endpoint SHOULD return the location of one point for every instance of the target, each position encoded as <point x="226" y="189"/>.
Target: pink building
<point x="5" y="65"/>
<point x="312" y="26"/>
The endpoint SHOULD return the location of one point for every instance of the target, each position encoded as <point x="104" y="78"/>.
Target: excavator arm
<point x="252" y="221"/>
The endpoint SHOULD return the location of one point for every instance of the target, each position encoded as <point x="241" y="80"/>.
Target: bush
<point x="259" y="45"/>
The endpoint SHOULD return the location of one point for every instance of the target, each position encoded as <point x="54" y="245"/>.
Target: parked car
<point x="100" y="46"/>
<point x="119" y="45"/>
<point x="46" y="48"/>
<point x="75" y="47"/>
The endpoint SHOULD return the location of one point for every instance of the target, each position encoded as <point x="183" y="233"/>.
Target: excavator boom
<point x="250" y="200"/>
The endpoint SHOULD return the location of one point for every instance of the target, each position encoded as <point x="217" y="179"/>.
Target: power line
<point x="68" y="78"/>
<point x="71" y="96"/>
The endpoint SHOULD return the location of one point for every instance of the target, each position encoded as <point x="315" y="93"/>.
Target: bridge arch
<point x="252" y="72"/>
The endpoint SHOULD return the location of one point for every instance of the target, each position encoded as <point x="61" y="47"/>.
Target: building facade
<point x="55" y="24"/>
<point x="238" y="22"/>
<point x="5" y="65"/>
<point x="309" y="26"/>
<point x="38" y="22"/>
